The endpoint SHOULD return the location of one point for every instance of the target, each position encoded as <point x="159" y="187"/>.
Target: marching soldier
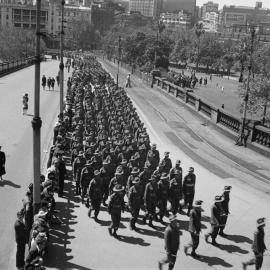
<point x="105" y="175"/>
<point x="86" y="176"/>
<point x="153" y="157"/>
<point x="175" y="195"/>
<point x="95" y="194"/>
<point x="258" y="246"/>
<point x="166" y="163"/>
<point x="225" y="206"/>
<point x="145" y="175"/>
<point x="163" y="192"/>
<point x="189" y="188"/>
<point x="117" y="179"/>
<point x="78" y="165"/>
<point x="194" y="229"/>
<point x="150" y="200"/>
<point x="134" y="173"/>
<point x="177" y="172"/>
<point x="215" y="220"/>
<point x="135" y="199"/>
<point x="116" y="205"/>
<point x="172" y="241"/>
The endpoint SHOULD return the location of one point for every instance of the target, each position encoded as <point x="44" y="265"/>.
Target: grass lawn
<point x="213" y="93"/>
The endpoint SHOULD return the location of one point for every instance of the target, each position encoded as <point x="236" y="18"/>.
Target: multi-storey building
<point x="148" y="8"/>
<point x="210" y="21"/>
<point x="208" y="7"/>
<point x="23" y="14"/>
<point x="176" y="20"/>
<point x="174" y="6"/>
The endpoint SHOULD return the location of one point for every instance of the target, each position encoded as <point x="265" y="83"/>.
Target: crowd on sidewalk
<point x="115" y="164"/>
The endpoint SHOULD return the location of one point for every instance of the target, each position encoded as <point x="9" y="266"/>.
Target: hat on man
<point x="42" y="213"/>
<point x="167" y="154"/>
<point x="123" y="162"/>
<point x="96" y="172"/>
<point x="178" y="162"/>
<point x="119" y="170"/>
<point x="260" y="222"/>
<point x="227" y="188"/>
<point x="135" y="170"/>
<point x="164" y="176"/>
<point x="118" y="188"/>
<point x="198" y="203"/>
<point x="80" y="154"/>
<point x="154" y="146"/>
<point x="136" y="180"/>
<point x="191" y="169"/>
<point x="172" y="218"/>
<point x="218" y="198"/>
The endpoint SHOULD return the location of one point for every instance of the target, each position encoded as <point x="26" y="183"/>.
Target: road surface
<point x="16" y="141"/>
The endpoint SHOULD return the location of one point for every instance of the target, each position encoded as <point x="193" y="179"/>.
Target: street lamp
<point x="118" y="61"/>
<point x="61" y="65"/>
<point x="198" y="31"/>
<point x="252" y="32"/>
<point x="160" y="28"/>
<point x="36" y="122"/>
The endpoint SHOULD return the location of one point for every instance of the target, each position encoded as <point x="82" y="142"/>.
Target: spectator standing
<point x="25" y="103"/>
<point x="2" y="164"/>
<point x="20" y="236"/>
<point x="43" y="80"/>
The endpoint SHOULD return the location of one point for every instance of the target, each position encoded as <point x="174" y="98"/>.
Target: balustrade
<point x="229" y="121"/>
<point x="262" y="135"/>
<point x="205" y="108"/>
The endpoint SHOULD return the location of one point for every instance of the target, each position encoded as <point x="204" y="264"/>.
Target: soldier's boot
<point x="144" y="220"/>
<point x="131" y="225"/>
<point x="96" y="215"/>
<point x="221" y="233"/>
<point x="151" y="222"/>
<point x="89" y="212"/>
<point x="244" y="265"/>
<point x="194" y="254"/>
<point x="110" y="231"/>
<point x="186" y="250"/>
<point x="206" y="237"/>
<point x="82" y="199"/>
<point x="115" y="234"/>
<point x="214" y="243"/>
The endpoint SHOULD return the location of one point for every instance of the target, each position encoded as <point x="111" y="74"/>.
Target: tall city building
<point x="209" y="7"/>
<point x="148" y="8"/>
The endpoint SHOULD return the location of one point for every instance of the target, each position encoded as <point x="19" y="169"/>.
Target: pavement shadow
<point x="133" y="240"/>
<point x="184" y="225"/>
<point x="60" y="234"/>
<point x="150" y="232"/>
<point x="232" y="249"/>
<point x="73" y="266"/>
<point x="205" y="218"/>
<point x="9" y="183"/>
<point x="239" y="238"/>
<point x="212" y="261"/>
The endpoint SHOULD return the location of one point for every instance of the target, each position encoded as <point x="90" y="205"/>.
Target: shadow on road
<point x="133" y="240"/>
<point x="60" y="235"/>
<point x="211" y="261"/>
<point x="232" y="249"/>
<point x="9" y="183"/>
<point x="239" y="239"/>
<point x="150" y="233"/>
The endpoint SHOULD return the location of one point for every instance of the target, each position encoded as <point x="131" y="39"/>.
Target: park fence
<point x="12" y="66"/>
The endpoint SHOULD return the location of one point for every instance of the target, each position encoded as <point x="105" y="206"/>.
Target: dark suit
<point x="20" y="236"/>
<point x="2" y="163"/>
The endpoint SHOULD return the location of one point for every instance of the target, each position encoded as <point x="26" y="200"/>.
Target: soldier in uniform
<point x="95" y="194"/>
<point x="117" y="179"/>
<point x="105" y="174"/>
<point x="135" y="199"/>
<point x="134" y="173"/>
<point x="166" y="162"/>
<point x="172" y="241"/>
<point x="116" y="205"/>
<point x="189" y="188"/>
<point x="215" y="220"/>
<point x="77" y="167"/>
<point x="163" y="193"/>
<point x="225" y="206"/>
<point x="150" y="200"/>
<point x="177" y="172"/>
<point x="258" y="246"/>
<point x="194" y="228"/>
<point x="175" y="195"/>
<point x="153" y="157"/>
<point x="86" y="176"/>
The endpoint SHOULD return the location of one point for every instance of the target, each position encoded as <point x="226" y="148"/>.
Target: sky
<point x="266" y="3"/>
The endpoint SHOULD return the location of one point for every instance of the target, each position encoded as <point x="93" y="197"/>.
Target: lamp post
<point x="36" y="122"/>
<point x="198" y="31"/>
<point x="61" y="65"/>
<point x="118" y="61"/>
<point x="252" y="32"/>
<point x="160" y="28"/>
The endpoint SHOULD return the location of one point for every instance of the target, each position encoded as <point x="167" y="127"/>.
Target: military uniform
<point x="189" y="189"/>
<point x="86" y="175"/>
<point x="163" y="193"/>
<point x="78" y="165"/>
<point x="175" y="195"/>
<point x="135" y="200"/>
<point x="225" y="206"/>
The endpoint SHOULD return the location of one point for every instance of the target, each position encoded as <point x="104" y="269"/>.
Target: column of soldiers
<point x="112" y="158"/>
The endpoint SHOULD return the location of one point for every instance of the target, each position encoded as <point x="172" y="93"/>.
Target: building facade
<point x="174" y="6"/>
<point x="148" y="8"/>
<point x="209" y="7"/>
<point x="175" y="21"/>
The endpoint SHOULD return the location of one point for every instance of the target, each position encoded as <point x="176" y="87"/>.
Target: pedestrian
<point x="2" y="164"/>
<point x="222" y="89"/>
<point x="128" y="81"/>
<point x="225" y="206"/>
<point x="171" y="238"/>
<point x="43" y="80"/>
<point x="52" y="82"/>
<point x="189" y="189"/>
<point x="25" y="103"/>
<point x="20" y="236"/>
<point x="194" y="228"/>
<point x="210" y="77"/>
<point x="215" y="220"/>
<point x="49" y="81"/>
<point x="77" y="167"/>
<point x="163" y="195"/>
<point x="95" y="194"/>
<point x="115" y="206"/>
<point x="175" y="194"/>
<point x="135" y="199"/>
<point x="205" y="81"/>
<point x="58" y="79"/>
<point x="258" y="246"/>
<point x="200" y="81"/>
<point x="222" y="106"/>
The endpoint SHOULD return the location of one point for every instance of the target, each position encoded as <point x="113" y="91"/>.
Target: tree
<point x="199" y="31"/>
